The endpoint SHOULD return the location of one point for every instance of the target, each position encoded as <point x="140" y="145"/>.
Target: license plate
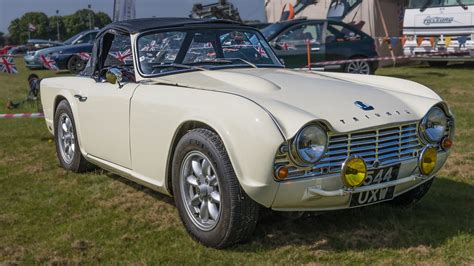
<point x="377" y="176"/>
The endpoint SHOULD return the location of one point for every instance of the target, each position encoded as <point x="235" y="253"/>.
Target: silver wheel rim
<point x="200" y="190"/>
<point x="66" y="138"/>
<point x="358" y="67"/>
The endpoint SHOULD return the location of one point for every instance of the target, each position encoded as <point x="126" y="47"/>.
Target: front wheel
<point x="212" y="205"/>
<point x="359" y="67"/>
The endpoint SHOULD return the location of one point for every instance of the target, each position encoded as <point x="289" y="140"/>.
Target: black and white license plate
<point x="377" y="176"/>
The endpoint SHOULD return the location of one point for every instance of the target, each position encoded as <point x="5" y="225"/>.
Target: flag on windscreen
<point x="31" y="27"/>
<point x="122" y="56"/>
<point x="7" y="65"/>
<point x="48" y="62"/>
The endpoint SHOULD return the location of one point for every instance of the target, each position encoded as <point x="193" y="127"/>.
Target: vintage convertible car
<point x="204" y="111"/>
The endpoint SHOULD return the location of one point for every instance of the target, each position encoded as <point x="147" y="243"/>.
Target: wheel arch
<point x="184" y="128"/>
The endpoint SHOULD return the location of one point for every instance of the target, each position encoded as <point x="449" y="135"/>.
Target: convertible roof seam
<point x="144" y="24"/>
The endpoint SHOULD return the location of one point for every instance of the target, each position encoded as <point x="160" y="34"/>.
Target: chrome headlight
<point x="309" y="145"/>
<point x="434" y="125"/>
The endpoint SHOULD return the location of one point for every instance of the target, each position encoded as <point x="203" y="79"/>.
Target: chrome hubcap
<point x="359" y="67"/>
<point x="66" y="139"/>
<point x="200" y="190"/>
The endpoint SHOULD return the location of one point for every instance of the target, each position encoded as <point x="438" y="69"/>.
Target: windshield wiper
<point x="178" y="66"/>
<point x="464" y="6"/>
<point x="426" y="5"/>
<point x="230" y="60"/>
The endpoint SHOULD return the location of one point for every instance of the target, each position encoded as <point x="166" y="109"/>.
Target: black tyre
<point x="414" y="195"/>
<point x="438" y="63"/>
<point x="212" y="205"/>
<point x="359" y="67"/>
<point x="75" y="64"/>
<point x="67" y="145"/>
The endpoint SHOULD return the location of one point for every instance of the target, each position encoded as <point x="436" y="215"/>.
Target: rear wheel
<point x="413" y="195"/>
<point x="359" y="67"/>
<point x="75" y="64"/>
<point x="67" y="145"/>
<point x="212" y="205"/>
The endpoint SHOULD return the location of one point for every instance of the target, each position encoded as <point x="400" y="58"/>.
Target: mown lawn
<point x="48" y="215"/>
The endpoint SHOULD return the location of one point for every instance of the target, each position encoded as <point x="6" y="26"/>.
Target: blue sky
<point x="11" y="9"/>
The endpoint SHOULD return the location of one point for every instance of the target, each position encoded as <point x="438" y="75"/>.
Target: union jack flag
<point x="151" y="47"/>
<point x="84" y="56"/>
<point x="49" y="63"/>
<point x="7" y="65"/>
<point x="261" y="51"/>
<point x="122" y="56"/>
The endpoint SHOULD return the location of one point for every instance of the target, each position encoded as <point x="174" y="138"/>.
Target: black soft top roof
<point x="144" y="24"/>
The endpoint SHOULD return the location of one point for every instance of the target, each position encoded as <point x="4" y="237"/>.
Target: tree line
<point x="46" y="27"/>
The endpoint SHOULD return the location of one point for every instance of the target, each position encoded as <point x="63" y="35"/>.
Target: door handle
<point x="316" y="49"/>
<point x="80" y="98"/>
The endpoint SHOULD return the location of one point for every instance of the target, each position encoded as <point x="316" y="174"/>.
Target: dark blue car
<point x="67" y="55"/>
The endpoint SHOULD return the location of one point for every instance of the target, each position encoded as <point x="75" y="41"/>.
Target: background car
<point x="66" y="55"/>
<point x="329" y="41"/>
<point x="5" y="49"/>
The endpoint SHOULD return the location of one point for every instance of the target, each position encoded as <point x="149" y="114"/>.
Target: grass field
<point x="48" y="215"/>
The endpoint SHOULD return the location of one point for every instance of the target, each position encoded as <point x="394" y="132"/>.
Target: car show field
<point x="49" y="215"/>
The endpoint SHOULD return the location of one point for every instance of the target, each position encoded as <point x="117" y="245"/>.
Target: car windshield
<point x="198" y="49"/>
<point x="72" y="39"/>
<point x="438" y="3"/>
<point x="270" y="30"/>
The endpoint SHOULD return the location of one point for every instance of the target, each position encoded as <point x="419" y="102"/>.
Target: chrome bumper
<point x="328" y="192"/>
<point x="318" y="191"/>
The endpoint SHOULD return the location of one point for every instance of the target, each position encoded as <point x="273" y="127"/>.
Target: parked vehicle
<point x="206" y="112"/>
<point x="328" y="40"/>
<point x="18" y="50"/>
<point x="66" y="55"/>
<point x="4" y="50"/>
<point x="451" y="23"/>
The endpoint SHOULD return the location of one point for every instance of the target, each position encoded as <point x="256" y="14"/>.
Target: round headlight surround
<point x="300" y="147"/>
<point x="434" y="134"/>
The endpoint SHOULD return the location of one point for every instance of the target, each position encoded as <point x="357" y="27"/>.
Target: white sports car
<point x="204" y="111"/>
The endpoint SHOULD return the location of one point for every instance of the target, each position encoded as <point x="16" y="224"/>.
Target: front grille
<point x="378" y="147"/>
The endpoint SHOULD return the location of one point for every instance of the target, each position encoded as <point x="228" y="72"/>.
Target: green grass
<point x="48" y="215"/>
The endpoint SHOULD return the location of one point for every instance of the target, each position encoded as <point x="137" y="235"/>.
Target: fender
<point x="248" y="132"/>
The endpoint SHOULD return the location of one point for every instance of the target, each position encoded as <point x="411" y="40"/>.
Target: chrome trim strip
<point x="316" y="191"/>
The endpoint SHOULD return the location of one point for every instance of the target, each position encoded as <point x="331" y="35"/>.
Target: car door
<point x="292" y="44"/>
<point x="104" y="112"/>
<point x="343" y="42"/>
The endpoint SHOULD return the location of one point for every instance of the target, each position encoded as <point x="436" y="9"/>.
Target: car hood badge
<point x="364" y="106"/>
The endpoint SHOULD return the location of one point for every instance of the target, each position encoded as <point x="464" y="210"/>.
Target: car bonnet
<point x="295" y="98"/>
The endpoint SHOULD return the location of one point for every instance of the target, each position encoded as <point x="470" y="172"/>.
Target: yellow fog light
<point x="427" y="160"/>
<point x="354" y="171"/>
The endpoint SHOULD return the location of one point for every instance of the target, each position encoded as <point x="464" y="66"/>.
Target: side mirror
<point x="114" y="76"/>
<point x="276" y="46"/>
